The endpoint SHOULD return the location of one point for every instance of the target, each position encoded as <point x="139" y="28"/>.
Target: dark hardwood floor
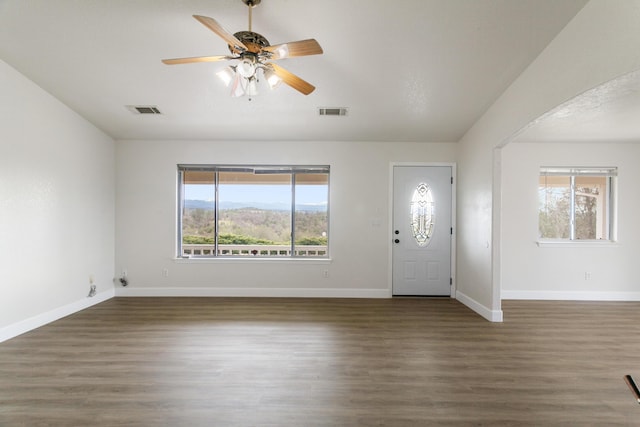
<point x="324" y="362"/>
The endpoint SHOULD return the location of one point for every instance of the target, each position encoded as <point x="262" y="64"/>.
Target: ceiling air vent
<point x="333" y="111"/>
<point x="143" y="109"/>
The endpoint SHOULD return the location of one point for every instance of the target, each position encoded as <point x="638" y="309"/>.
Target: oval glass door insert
<point x="422" y="209"/>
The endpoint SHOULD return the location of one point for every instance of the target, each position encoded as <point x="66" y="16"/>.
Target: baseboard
<point x="570" y="295"/>
<point x="39" y="320"/>
<point x="487" y="313"/>
<point x="252" y="292"/>
<point x="32" y="323"/>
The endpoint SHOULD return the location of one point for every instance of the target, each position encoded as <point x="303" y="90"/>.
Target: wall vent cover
<point x="143" y="109"/>
<point x="332" y="111"/>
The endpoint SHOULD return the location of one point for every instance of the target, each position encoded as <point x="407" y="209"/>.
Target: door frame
<point x="392" y="165"/>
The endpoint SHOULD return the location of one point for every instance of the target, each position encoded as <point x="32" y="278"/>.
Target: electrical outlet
<point x="165" y="272"/>
<point x="124" y="280"/>
<point x="325" y="274"/>
<point x="91" y="279"/>
<point x="587" y="275"/>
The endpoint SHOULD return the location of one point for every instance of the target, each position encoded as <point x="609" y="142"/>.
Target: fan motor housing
<point x="253" y="41"/>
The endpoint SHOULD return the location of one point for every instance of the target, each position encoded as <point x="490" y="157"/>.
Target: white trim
<point x="556" y="243"/>
<point x="251" y="292"/>
<point x="571" y="295"/>
<point x="454" y="197"/>
<point x="253" y="260"/>
<point x="496" y="230"/>
<point x="39" y="320"/>
<point x="490" y="315"/>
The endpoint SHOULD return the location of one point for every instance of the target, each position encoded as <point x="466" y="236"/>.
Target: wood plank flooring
<point x="324" y="362"/>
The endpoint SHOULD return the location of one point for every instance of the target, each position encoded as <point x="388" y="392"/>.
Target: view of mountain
<point x="264" y="223"/>
<point x="208" y="205"/>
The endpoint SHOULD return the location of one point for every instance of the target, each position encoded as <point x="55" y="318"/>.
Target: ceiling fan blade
<point x="175" y="61"/>
<point x="292" y="49"/>
<point x="213" y="25"/>
<point x="292" y="80"/>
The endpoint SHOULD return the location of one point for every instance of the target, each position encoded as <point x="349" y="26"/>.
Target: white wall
<point x="533" y="272"/>
<point x="52" y="160"/>
<point x="56" y="207"/>
<point x="601" y="43"/>
<point x="359" y="218"/>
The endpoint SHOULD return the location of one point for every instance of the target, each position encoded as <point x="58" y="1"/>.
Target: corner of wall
<point x="26" y="325"/>
<point x="487" y="313"/>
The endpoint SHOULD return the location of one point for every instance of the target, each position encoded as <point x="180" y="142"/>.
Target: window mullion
<point x="610" y="209"/>
<point x="572" y="209"/>
<point x="293" y="213"/>
<point x="216" y="213"/>
<point x="181" y="184"/>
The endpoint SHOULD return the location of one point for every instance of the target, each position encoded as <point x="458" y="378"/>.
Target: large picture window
<point x="253" y="211"/>
<point x="576" y="203"/>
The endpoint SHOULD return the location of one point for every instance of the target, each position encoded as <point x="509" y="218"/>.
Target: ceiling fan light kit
<point x="226" y="75"/>
<point x="253" y="71"/>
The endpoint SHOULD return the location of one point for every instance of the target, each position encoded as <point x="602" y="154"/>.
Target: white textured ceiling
<point x="607" y="113"/>
<point x="407" y="70"/>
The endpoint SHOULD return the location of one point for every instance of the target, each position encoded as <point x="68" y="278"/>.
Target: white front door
<point x="422" y="230"/>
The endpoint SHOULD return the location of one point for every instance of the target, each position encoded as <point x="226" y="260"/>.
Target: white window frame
<point x="280" y="169"/>
<point x="573" y="172"/>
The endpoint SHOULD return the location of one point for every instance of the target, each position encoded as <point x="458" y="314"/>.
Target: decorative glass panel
<point x="422" y="210"/>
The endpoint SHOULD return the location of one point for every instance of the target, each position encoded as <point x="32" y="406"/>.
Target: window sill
<point x="246" y="260"/>
<point x="575" y="243"/>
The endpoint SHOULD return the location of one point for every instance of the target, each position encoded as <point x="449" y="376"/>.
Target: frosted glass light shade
<point x="246" y="68"/>
<point x="226" y="75"/>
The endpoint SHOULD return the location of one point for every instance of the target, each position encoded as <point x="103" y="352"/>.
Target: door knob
<point x="397" y="240"/>
<point x="397" y="231"/>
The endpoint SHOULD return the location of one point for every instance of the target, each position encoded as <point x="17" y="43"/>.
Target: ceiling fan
<point x="253" y="53"/>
